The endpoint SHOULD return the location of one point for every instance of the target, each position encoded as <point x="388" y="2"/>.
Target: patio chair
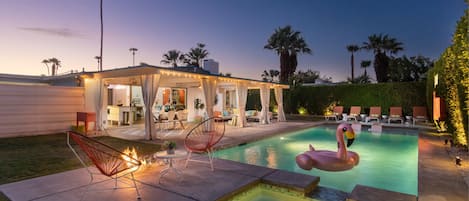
<point x="354" y="113"/>
<point x="108" y="160"/>
<point x="395" y="114"/>
<point x="203" y="137"/>
<point x="419" y="113"/>
<point x="375" y="114"/>
<point x="338" y="110"/>
<point x="181" y="117"/>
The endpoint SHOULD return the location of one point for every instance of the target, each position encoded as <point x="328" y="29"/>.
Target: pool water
<point x="387" y="160"/>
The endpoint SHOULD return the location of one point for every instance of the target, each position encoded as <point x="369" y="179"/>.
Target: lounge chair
<point x="203" y="137"/>
<point x="419" y="113"/>
<point x="375" y="114"/>
<point x="338" y="110"/>
<point x="395" y="114"/>
<point x="108" y="160"/>
<point x="253" y="115"/>
<point x="354" y="113"/>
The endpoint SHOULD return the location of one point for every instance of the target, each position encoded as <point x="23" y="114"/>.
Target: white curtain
<point x="150" y="84"/>
<point x="279" y="99"/>
<point x="241" y="95"/>
<point x="265" y="99"/>
<point x="209" y="87"/>
<point x="99" y="104"/>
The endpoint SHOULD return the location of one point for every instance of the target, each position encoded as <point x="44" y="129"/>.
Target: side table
<point x="178" y="154"/>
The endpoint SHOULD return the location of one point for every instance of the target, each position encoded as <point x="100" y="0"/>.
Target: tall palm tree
<point x="352" y="49"/>
<point x="380" y="44"/>
<point x="365" y="64"/>
<point x="55" y="65"/>
<point x="101" y="49"/>
<point x="287" y="44"/>
<point x="173" y="57"/>
<point x="46" y="62"/>
<point x="195" y="56"/>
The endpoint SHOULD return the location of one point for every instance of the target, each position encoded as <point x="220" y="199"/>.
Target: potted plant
<point x="170" y="146"/>
<point x="198" y="105"/>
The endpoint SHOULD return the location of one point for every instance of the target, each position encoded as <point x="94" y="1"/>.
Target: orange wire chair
<point x="203" y="137"/>
<point x="108" y="160"/>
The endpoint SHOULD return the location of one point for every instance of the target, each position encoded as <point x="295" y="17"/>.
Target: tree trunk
<point x="284" y="67"/>
<point x="293" y="63"/>
<point x="353" y="67"/>
<point x="381" y="65"/>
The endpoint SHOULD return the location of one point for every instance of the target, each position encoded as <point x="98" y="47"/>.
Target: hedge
<point x="315" y="99"/>
<point x="453" y="84"/>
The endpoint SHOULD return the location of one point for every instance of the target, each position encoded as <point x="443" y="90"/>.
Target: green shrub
<point x="317" y="99"/>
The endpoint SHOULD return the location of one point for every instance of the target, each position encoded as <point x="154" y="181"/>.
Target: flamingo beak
<point x="350" y="135"/>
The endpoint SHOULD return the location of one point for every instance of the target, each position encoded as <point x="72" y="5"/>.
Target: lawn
<point x="28" y="157"/>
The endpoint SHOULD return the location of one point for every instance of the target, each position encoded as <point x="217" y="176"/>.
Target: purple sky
<point x="235" y="32"/>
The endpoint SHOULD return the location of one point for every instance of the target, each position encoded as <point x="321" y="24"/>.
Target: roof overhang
<point x="171" y="77"/>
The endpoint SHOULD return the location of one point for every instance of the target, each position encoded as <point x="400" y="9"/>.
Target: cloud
<point x="64" y="32"/>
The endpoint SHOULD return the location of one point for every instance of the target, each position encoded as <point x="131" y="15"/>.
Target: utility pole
<point x="133" y="50"/>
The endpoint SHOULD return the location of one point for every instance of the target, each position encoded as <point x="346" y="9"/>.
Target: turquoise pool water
<point x="387" y="161"/>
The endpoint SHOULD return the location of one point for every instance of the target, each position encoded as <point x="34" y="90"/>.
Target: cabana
<point x="214" y="91"/>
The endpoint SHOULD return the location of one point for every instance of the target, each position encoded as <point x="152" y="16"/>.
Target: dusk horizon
<point x="234" y="32"/>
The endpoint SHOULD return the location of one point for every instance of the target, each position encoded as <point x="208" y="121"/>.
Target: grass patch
<point x="3" y="197"/>
<point x="33" y="156"/>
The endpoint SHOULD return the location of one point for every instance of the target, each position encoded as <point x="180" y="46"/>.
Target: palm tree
<point x="173" y="57"/>
<point x="55" y="65"/>
<point x="352" y="49"/>
<point x="269" y="76"/>
<point x="133" y="50"/>
<point x="365" y="64"/>
<point x="46" y="62"/>
<point x="287" y="44"/>
<point x="99" y="60"/>
<point x="101" y="49"/>
<point x="196" y="55"/>
<point x="380" y="44"/>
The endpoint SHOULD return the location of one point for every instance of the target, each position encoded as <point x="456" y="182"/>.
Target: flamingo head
<point x="348" y="132"/>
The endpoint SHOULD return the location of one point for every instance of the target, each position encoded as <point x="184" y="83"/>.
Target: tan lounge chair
<point x="338" y="110"/>
<point x="419" y="113"/>
<point x="395" y="114"/>
<point x="354" y="113"/>
<point x="375" y="114"/>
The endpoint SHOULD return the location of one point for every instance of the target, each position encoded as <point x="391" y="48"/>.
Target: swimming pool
<point x="387" y="160"/>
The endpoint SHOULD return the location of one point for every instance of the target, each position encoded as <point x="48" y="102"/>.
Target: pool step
<point x="290" y="180"/>
<point x="366" y="193"/>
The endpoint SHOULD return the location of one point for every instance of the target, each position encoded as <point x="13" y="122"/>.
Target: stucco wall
<point x="34" y="110"/>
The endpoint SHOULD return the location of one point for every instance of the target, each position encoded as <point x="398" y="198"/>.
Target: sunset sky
<point x="234" y="32"/>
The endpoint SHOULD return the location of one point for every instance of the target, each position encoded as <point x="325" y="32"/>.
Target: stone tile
<point x="366" y="193"/>
<point x="296" y="181"/>
<point x="439" y="177"/>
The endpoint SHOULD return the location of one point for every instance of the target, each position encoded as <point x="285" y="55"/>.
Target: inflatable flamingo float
<point x="330" y="160"/>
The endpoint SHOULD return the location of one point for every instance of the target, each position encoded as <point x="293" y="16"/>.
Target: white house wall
<point x="91" y="92"/>
<point x="192" y="94"/>
<point x="35" y="110"/>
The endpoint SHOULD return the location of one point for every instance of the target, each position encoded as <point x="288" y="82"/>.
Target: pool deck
<point x="439" y="178"/>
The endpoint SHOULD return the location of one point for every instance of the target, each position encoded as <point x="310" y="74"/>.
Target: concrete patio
<point x="439" y="177"/>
